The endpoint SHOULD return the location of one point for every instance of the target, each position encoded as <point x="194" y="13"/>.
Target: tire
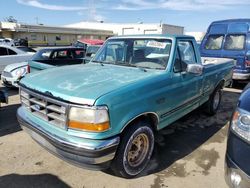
<point x="235" y="84"/>
<point x="214" y="101"/>
<point x="134" y="151"/>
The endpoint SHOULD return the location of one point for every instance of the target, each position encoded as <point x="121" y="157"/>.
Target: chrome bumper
<point x="9" y="81"/>
<point x="241" y="76"/>
<point x="93" y="154"/>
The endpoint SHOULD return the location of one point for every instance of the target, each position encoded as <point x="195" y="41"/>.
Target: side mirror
<point x="195" y="69"/>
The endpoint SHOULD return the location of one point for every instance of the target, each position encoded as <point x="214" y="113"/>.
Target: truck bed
<point x="215" y="69"/>
<point x="214" y="61"/>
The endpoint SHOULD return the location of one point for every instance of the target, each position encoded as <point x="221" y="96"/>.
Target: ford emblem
<point x="37" y="107"/>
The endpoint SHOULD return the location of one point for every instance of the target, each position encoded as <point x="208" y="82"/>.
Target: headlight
<point x="89" y="119"/>
<point x="19" y="72"/>
<point x="241" y="124"/>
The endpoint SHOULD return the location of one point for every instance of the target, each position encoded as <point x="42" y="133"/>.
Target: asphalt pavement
<point x="189" y="153"/>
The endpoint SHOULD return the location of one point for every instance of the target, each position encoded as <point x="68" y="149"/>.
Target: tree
<point x="10" y="19"/>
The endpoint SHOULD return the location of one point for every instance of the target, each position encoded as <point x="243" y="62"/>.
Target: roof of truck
<point x="153" y="36"/>
<point x="232" y="20"/>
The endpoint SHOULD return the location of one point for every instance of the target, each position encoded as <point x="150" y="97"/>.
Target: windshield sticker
<point x="156" y="44"/>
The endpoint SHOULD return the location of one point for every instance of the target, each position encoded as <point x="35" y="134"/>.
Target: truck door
<point x="192" y="84"/>
<point x="188" y="87"/>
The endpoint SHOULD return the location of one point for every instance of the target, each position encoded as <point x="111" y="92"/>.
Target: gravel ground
<point x="190" y="153"/>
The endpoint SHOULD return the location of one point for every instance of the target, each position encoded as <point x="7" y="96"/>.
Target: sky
<point x="194" y="15"/>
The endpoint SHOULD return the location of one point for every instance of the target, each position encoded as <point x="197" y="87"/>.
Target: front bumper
<point x="241" y="76"/>
<point x="9" y="82"/>
<point x="96" y="157"/>
<point x="234" y="176"/>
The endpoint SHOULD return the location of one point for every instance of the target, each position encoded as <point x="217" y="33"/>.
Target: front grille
<point x="7" y="74"/>
<point x="46" y="108"/>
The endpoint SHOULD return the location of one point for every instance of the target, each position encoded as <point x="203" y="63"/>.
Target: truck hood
<point x="83" y="84"/>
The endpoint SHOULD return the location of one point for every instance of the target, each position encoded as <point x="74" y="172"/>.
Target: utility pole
<point x="37" y="20"/>
<point x="92" y="10"/>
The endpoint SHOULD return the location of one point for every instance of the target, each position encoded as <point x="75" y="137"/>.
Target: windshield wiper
<point x="139" y="67"/>
<point x="101" y="63"/>
<point x="142" y="69"/>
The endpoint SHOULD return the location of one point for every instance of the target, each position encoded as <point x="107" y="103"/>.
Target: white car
<point x="10" y="55"/>
<point x="7" y="41"/>
<point x="13" y="73"/>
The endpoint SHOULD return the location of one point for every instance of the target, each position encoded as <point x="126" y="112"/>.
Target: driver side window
<point x="179" y="65"/>
<point x="187" y="52"/>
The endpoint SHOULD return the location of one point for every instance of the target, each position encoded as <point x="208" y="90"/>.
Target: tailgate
<point x="238" y="56"/>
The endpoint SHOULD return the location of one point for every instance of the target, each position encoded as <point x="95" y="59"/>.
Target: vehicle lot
<point x="188" y="154"/>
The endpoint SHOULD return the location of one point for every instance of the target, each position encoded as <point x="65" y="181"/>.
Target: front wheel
<point x="134" y="151"/>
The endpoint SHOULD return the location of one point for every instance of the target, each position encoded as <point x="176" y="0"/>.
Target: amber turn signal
<point x="100" y="127"/>
<point x="236" y="116"/>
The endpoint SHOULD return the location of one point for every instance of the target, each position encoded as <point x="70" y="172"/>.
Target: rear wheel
<point x="214" y="101"/>
<point x="134" y="151"/>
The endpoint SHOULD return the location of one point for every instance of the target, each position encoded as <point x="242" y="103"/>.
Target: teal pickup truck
<point x="105" y="113"/>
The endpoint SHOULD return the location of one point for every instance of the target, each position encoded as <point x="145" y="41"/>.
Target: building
<point x="197" y="35"/>
<point x="131" y="28"/>
<point x="40" y="35"/>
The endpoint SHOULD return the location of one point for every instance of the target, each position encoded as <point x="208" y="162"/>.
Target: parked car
<point x="237" y="169"/>
<point x="84" y="43"/>
<point x="12" y="74"/>
<point x="230" y="39"/>
<point x="7" y="41"/>
<point x="104" y="114"/>
<point x="90" y="52"/>
<point x="26" y="49"/>
<point x="10" y="55"/>
<point x="21" y="42"/>
<point x="57" y="56"/>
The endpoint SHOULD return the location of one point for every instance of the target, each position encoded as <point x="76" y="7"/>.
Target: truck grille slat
<point x="25" y="101"/>
<point x="56" y="116"/>
<point x="40" y="115"/>
<point x="34" y="108"/>
<point x="45" y="108"/>
<point x="57" y="108"/>
<point x="37" y="101"/>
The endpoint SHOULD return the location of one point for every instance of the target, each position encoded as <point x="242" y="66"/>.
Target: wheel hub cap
<point x="138" y="150"/>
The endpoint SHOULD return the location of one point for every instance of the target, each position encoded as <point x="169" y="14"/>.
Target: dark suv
<point x="237" y="162"/>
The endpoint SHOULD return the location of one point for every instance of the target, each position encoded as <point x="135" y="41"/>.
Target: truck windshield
<point x="145" y="53"/>
<point x="91" y="50"/>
